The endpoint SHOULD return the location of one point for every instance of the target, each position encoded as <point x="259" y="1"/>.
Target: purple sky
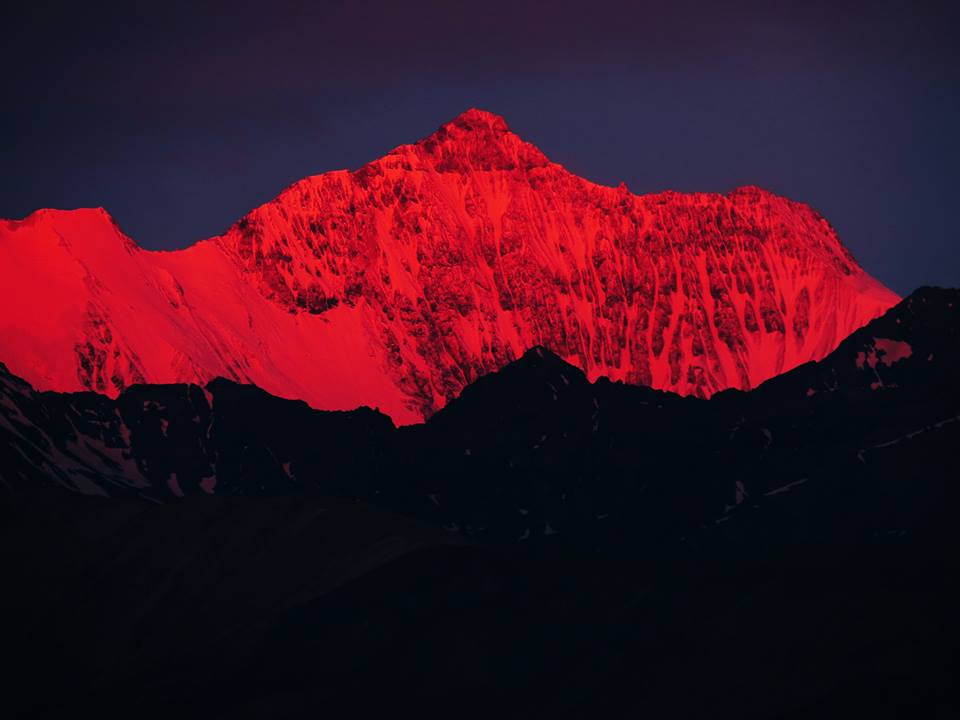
<point x="180" y="118"/>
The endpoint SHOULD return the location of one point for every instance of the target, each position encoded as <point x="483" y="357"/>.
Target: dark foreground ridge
<point x="541" y="547"/>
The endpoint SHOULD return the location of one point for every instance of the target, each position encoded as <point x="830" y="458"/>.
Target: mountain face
<point x="543" y="546"/>
<point x="397" y="285"/>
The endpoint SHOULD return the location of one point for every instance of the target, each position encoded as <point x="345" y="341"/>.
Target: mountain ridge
<point x="397" y="284"/>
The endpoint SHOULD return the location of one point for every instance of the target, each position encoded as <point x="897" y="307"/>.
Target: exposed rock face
<point x="397" y="285"/>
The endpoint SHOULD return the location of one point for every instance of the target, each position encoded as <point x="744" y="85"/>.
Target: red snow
<point x="884" y="351"/>
<point x="396" y="285"/>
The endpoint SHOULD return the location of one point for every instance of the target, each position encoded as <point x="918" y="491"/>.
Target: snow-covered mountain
<point x="397" y="285"/>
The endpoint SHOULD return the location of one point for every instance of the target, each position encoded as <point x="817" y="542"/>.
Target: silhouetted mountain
<point x="543" y="546"/>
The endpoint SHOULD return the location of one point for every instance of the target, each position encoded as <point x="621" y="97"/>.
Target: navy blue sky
<point x="180" y="118"/>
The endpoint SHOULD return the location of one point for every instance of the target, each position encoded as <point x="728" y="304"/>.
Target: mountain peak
<point x="83" y="214"/>
<point x="85" y="229"/>
<point x="474" y="119"/>
<point x="750" y="191"/>
<point x="479" y="140"/>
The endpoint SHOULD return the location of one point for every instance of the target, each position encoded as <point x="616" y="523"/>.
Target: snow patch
<point x="174" y="484"/>
<point x="884" y="351"/>
<point x="785" y="488"/>
<point x="740" y="492"/>
<point x="861" y="454"/>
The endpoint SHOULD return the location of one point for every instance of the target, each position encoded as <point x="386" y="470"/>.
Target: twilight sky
<point x="180" y="117"/>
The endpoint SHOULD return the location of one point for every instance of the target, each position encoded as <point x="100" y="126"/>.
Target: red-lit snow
<point x="396" y="285"/>
<point x="884" y="351"/>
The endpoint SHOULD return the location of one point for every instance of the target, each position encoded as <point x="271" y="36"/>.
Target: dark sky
<point x="180" y="117"/>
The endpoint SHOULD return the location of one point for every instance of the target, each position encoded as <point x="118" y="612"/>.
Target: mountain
<point x="535" y="436"/>
<point x="399" y="284"/>
<point x="543" y="546"/>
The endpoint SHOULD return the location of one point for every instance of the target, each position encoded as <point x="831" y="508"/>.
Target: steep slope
<point x="397" y="285"/>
